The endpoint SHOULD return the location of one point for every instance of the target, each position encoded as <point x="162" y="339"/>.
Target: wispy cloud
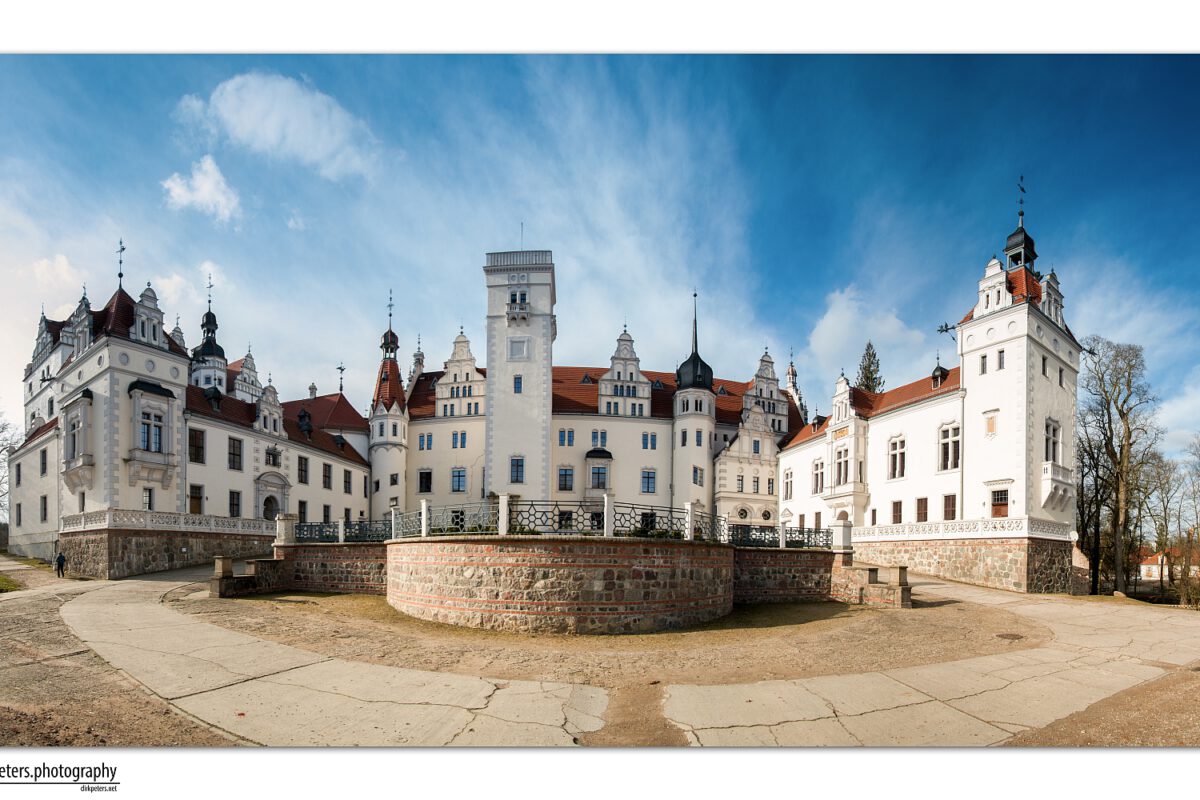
<point x="280" y="117"/>
<point x="206" y="191"/>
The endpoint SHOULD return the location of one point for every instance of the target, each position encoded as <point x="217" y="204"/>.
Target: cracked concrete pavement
<point x="1099" y="649"/>
<point x="267" y="693"/>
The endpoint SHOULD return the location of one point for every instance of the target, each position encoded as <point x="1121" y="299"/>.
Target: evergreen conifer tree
<point x="870" y="379"/>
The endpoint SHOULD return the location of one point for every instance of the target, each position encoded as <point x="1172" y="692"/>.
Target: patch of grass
<point x="7" y="584"/>
<point x="32" y="562"/>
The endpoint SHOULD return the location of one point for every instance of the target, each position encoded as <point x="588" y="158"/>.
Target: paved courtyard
<point x="265" y="692"/>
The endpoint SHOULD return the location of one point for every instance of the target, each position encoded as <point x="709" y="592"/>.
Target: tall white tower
<point x="388" y="447"/>
<point x="694" y="430"/>
<point x="521" y="330"/>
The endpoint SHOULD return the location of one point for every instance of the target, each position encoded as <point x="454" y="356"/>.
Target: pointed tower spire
<point x="695" y="349"/>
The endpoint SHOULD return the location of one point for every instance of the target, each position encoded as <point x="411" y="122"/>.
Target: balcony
<point x="518" y="311"/>
<point x="79" y="472"/>
<point x="1058" y="486"/>
<point x="147" y="465"/>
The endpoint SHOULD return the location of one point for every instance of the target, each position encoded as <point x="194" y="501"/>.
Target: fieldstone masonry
<point x="1021" y="565"/>
<point x="112" y="554"/>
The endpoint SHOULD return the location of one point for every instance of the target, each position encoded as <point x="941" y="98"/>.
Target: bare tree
<point x="1119" y="400"/>
<point x="1093" y="490"/>
<point x="1161" y="486"/>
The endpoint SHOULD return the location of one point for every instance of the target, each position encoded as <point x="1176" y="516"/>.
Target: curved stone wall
<point x="557" y="584"/>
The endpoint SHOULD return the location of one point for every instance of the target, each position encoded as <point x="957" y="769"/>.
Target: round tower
<point x="388" y="442"/>
<point x="694" y="430"/>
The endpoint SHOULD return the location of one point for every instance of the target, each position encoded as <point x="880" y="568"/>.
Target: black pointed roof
<point x="694" y="373"/>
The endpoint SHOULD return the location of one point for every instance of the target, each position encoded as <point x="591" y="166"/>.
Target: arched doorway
<point x="270" y="507"/>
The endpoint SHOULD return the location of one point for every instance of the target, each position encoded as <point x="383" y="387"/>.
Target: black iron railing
<point x="316" y="531"/>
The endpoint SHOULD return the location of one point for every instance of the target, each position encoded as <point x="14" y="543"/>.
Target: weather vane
<point x="341" y="368"/>
<point x="1021" y="198"/>
<point x="120" y="262"/>
<point x="210" y="288"/>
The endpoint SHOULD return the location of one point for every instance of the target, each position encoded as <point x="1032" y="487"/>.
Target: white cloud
<point x="295" y="222"/>
<point x="206" y="191"/>
<point x="56" y="274"/>
<point x="281" y="117"/>
<point x="1178" y="415"/>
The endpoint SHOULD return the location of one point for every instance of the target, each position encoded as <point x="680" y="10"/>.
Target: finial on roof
<point x="85" y="290"/>
<point x="120" y="262"/>
<point x="791" y="355"/>
<point x="695" y="306"/>
<point x="176" y="320"/>
<point x="269" y="381"/>
<point x="247" y="348"/>
<point x="939" y="358"/>
<point x="341" y="368"/>
<point x="389" y="309"/>
<point x="147" y="284"/>
<point x="210" y="288"/>
<point x="43" y="310"/>
<point x="1021" y="202"/>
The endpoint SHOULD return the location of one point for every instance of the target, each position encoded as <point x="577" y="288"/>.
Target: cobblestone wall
<point x="120" y="554"/>
<point x="351" y="568"/>
<point x="1020" y="565"/>
<point x="559" y="584"/>
<point x="774" y="575"/>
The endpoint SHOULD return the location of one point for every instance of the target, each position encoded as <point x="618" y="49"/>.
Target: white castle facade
<point x="125" y="426"/>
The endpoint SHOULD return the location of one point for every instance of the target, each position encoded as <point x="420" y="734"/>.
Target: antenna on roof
<point x="120" y="262"/>
<point x="341" y="368"/>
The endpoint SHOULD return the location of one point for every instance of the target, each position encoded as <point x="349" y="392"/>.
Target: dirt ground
<point x="55" y="691"/>
<point x="1161" y="713"/>
<point x="754" y="643"/>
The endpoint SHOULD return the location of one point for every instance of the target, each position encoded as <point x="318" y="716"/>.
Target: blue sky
<point x="814" y="201"/>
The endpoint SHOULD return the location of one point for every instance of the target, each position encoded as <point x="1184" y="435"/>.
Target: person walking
<point x="60" y="565"/>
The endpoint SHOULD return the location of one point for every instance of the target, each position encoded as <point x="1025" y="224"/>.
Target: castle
<point x="123" y="420"/>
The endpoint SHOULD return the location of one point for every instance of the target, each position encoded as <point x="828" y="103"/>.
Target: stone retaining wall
<point x="1021" y="565"/>
<point x="350" y="568"/>
<point x="112" y="554"/>
<point x="548" y="584"/>
<point x="777" y="575"/>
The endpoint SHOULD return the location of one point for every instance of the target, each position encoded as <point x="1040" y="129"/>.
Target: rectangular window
<point x="147" y="499"/>
<point x="566" y="479"/>
<point x="235" y="504"/>
<point x="347" y="486"/>
<point x="654" y="441"/>
<point x="273" y="457"/>
<point x="787" y="486"/>
<point x="570" y="437"/>
<point x="195" y="446"/>
<point x="841" y="466"/>
<point x="756" y="447"/>
<point x="516" y="470"/>
<point x="817" y="520"/>
<point x="302" y="509"/>
<point x="1052" y="450"/>
<point x="896" y="458"/>
<point x="950" y="442"/>
<point x="922" y="509"/>
<point x="45" y="507"/>
<point x="699" y="438"/>
<point x="17" y="518"/>
<point x="755" y="484"/>
<point x="949" y="507"/>
<point x="42" y="459"/>
<point x="421" y="441"/>
<point x="604" y="438"/>
<point x="595" y="438"/>
<point x="458" y="480"/>
<point x="516" y="384"/>
<point x="818" y="477"/>
<point x="18" y="474"/>
<point x="394" y="479"/>
<point x="645" y="441"/>
<point x="302" y="469"/>
<point x="425" y="481"/>
<point x="648" y="476"/>
<point x="874" y="517"/>
<point x="683" y="438"/>
<point x="1060" y="376"/>
<point x="999" y="360"/>
<point x="1000" y="503"/>
<point x="983" y="364"/>
<point x="346" y="514"/>
<point x="326" y="476"/>
<point x="698" y="476"/>
<point x="195" y="499"/>
<point x="770" y="486"/>
<point x="1045" y="363"/>
<point x="741" y="483"/>
<point x="462" y="438"/>
<point x="599" y="477"/>
<point x="562" y="437"/>
<point x="799" y="520"/>
<point x="326" y="514"/>
<point x="235" y="453"/>
<point x="897" y="511"/>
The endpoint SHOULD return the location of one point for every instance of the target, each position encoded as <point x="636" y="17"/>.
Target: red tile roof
<point x="389" y="388"/>
<point x="871" y="404"/>
<point x="118" y="316"/>
<point x="243" y="414"/>
<point x="232" y="371"/>
<point x="571" y="395"/>
<point x="328" y="411"/>
<point x="41" y="430"/>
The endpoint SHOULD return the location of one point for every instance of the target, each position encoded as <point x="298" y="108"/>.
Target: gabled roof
<point x="118" y="316"/>
<point x="328" y="411"/>
<point x="576" y="390"/>
<point x="41" y="430"/>
<point x="243" y="414"/>
<point x="799" y="436"/>
<point x="1024" y="287"/>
